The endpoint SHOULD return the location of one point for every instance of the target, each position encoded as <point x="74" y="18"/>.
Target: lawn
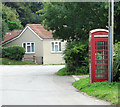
<point x="63" y="72"/>
<point x="5" y="61"/>
<point x="103" y="90"/>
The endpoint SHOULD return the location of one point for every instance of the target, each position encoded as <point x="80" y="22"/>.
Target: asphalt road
<point x="39" y="85"/>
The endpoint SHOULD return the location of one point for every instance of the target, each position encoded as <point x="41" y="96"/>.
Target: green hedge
<point x="76" y="57"/>
<point x="116" y="74"/>
<point x="13" y="52"/>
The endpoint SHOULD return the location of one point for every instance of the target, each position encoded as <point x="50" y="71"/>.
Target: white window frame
<point x="30" y="46"/>
<point x="57" y="45"/>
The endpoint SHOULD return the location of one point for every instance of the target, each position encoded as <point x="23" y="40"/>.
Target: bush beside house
<point x="76" y="57"/>
<point x="13" y="52"/>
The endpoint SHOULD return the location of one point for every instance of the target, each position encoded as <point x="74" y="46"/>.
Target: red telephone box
<point x="98" y="55"/>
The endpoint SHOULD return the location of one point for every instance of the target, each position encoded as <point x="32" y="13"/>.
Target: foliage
<point x="27" y="11"/>
<point x="103" y="90"/>
<point x="13" y="25"/>
<point x="6" y="61"/>
<point x="116" y="21"/>
<point x="4" y="28"/>
<point x="0" y="52"/>
<point x="117" y="62"/>
<point x="76" y="57"/>
<point x="15" y="15"/>
<point x="13" y="52"/>
<point x="10" y="15"/>
<point x="64" y="72"/>
<point x="10" y="20"/>
<point x="73" y="21"/>
<point x="70" y="21"/>
<point x="4" y="24"/>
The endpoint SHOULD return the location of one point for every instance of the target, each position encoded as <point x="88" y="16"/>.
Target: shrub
<point x="13" y="52"/>
<point x="63" y="72"/>
<point x="76" y="57"/>
<point x="0" y="52"/>
<point x="116" y="74"/>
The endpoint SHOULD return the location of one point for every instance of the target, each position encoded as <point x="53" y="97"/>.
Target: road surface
<point x="39" y="85"/>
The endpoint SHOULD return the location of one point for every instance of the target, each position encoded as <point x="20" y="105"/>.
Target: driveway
<point x="38" y="85"/>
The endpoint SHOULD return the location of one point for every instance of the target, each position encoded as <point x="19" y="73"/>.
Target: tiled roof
<point x="11" y="35"/>
<point x="40" y="31"/>
<point x="37" y="28"/>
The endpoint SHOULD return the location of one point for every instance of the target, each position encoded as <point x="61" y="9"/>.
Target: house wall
<point x="28" y="36"/>
<point x="50" y="57"/>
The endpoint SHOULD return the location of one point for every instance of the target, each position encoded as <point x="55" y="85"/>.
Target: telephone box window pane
<point x="95" y="43"/>
<point x="99" y="62"/>
<point x="99" y="57"/>
<point x="101" y="48"/>
<point x="100" y="43"/>
<point x="100" y="66"/>
<point x="103" y="62"/>
<point x="99" y="71"/>
<point x="101" y="76"/>
<point x="103" y="71"/>
<point x="96" y="57"/>
<point x="100" y="52"/>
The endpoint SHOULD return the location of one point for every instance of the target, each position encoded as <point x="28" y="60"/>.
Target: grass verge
<point x="5" y="61"/>
<point x="63" y="72"/>
<point x="103" y="90"/>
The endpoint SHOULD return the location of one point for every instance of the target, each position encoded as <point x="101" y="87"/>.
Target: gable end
<point x="27" y="27"/>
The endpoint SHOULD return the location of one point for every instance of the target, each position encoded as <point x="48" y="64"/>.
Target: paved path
<point x="38" y="85"/>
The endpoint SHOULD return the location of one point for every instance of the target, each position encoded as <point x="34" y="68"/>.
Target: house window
<point x="29" y="47"/>
<point x="56" y="46"/>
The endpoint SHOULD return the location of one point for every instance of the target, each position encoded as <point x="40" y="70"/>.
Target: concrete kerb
<point x="77" y="77"/>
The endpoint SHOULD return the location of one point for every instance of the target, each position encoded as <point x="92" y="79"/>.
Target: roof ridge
<point x="37" y="28"/>
<point x="40" y="30"/>
<point x="33" y="24"/>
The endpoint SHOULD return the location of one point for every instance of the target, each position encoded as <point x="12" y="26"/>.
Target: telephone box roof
<point x="96" y="30"/>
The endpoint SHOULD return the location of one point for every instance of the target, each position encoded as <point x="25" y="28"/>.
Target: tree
<point x="117" y="21"/>
<point x="27" y="11"/>
<point x="4" y="24"/>
<point x="10" y="20"/>
<point x="11" y="16"/>
<point x="73" y="21"/>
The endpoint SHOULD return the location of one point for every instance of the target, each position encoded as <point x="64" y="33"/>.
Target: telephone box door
<point x="101" y="59"/>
